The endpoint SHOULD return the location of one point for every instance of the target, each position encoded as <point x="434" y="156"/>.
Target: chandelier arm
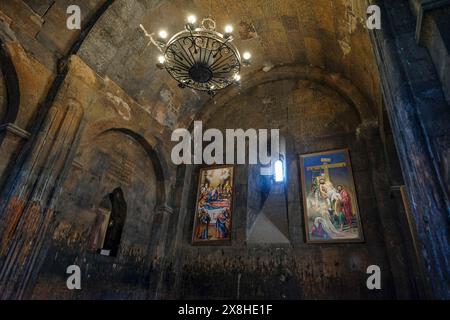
<point x="216" y="84"/>
<point x="215" y="81"/>
<point x="183" y="75"/>
<point x="209" y="56"/>
<point x="223" y="72"/>
<point x="192" y="36"/>
<point x="220" y="63"/>
<point x="196" y="49"/>
<point x="178" y="69"/>
<point x="202" y="50"/>
<point x="189" y="55"/>
<point x="218" y="60"/>
<point x="223" y="44"/>
<point x="193" y="46"/>
<point x="224" y="61"/>
<point x="205" y="52"/>
<point x="175" y="54"/>
<point x="177" y="64"/>
<point x="180" y="64"/>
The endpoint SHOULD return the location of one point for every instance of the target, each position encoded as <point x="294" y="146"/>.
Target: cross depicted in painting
<point x="326" y="166"/>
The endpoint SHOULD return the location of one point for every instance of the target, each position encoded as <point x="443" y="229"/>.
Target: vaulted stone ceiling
<point x="329" y="34"/>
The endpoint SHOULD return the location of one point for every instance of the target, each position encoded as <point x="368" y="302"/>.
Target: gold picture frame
<point x="214" y="206"/>
<point x="330" y="204"/>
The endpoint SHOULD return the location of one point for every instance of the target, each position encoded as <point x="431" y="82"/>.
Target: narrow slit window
<point x="279" y="171"/>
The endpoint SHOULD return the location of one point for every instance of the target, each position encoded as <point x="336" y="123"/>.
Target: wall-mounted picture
<point x="329" y="198"/>
<point x="214" y="206"/>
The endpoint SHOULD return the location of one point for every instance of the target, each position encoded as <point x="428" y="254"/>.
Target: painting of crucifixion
<point x="329" y="198"/>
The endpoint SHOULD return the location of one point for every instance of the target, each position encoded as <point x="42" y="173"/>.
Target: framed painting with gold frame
<point x="330" y="203"/>
<point x="214" y="206"/>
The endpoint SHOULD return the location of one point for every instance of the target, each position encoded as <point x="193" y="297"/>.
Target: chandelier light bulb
<point x="229" y="29"/>
<point x="163" y="34"/>
<point x="161" y="59"/>
<point x="247" y="55"/>
<point x="237" y="77"/>
<point x="192" y="19"/>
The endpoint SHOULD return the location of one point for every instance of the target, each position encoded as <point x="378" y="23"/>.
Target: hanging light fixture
<point x="201" y="58"/>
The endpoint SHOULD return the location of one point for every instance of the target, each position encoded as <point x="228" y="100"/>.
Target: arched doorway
<point x="116" y="222"/>
<point x="109" y="223"/>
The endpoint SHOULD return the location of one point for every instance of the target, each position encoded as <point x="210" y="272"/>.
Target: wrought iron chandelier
<point x="199" y="57"/>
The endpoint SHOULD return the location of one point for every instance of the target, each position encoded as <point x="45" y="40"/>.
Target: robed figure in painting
<point x="204" y="220"/>
<point x="346" y="205"/>
<point x="221" y="225"/>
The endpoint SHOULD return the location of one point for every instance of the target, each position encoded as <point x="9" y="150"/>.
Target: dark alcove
<point x="116" y="221"/>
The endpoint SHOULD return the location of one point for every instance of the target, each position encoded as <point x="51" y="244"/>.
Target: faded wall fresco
<point x="112" y="160"/>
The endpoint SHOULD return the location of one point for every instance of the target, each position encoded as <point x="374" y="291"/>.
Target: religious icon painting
<point x="329" y="198"/>
<point x="214" y="206"/>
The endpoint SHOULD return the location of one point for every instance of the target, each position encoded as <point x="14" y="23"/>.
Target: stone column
<point x="419" y="118"/>
<point x="157" y="248"/>
<point x="433" y="32"/>
<point x="28" y="199"/>
<point x="12" y="139"/>
<point x="392" y="221"/>
<point x="160" y="225"/>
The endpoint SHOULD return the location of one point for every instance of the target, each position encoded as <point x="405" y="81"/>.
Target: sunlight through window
<point x="279" y="174"/>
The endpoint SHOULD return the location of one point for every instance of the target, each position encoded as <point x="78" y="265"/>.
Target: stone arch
<point x="150" y="147"/>
<point x="296" y="103"/>
<point x="11" y="82"/>
<point x="349" y="92"/>
<point x="155" y="159"/>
